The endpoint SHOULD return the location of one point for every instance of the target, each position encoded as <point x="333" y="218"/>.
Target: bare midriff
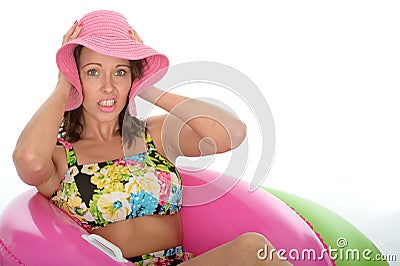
<point x="143" y="235"/>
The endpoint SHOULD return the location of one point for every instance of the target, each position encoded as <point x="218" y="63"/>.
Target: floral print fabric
<point x="171" y="256"/>
<point x="98" y="194"/>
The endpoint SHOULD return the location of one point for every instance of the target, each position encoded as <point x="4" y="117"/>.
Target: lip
<point x="107" y="109"/>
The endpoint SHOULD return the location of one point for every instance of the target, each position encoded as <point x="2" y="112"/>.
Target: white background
<point x="328" y="70"/>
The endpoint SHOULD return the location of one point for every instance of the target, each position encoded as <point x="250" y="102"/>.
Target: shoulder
<point x="154" y="123"/>
<point x="158" y="130"/>
<point x="154" y="126"/>
<point x="175" y="138"/>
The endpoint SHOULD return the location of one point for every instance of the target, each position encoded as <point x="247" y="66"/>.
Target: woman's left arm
<point x="194" y="127"/>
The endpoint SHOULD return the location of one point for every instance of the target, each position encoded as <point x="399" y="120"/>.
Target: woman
<point x="111" y="172"/>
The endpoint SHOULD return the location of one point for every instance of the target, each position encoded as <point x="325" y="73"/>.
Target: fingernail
<point x="80" y="24"/>
<point x="75" y="22"/>
<point x="130" y="32"/>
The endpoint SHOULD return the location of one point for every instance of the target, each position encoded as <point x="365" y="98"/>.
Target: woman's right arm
<point x="33" y="153"/>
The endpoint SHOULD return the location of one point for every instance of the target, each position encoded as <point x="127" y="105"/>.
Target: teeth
<point x="107" y="103"/>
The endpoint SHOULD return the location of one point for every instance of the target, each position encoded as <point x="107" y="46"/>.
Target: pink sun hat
<point x="108" y="32"/>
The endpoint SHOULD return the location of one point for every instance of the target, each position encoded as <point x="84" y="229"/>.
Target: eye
<point x="93" y="72"/>
<point x="120" y="72"/>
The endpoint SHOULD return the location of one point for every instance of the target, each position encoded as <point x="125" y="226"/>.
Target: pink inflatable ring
<point x="34" y="232"/>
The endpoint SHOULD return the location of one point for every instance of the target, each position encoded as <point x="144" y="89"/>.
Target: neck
<point x="103" y="131"/>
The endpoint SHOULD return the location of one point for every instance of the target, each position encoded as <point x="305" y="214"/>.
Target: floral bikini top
<point x="98" y="194"/>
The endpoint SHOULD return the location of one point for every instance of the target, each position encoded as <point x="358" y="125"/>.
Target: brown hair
<point x="72" y="124"/>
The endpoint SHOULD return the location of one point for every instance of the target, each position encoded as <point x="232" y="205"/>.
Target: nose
<point x="107" y="84"/>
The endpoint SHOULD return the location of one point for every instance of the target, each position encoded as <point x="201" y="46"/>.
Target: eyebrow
<point x="123" y="65"/>
<point x="100" y="65"/>
<point x="88" y="64"/>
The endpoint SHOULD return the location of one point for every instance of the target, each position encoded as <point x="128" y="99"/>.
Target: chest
<point x="87" y="151"/>
<point x="104" y="192"/>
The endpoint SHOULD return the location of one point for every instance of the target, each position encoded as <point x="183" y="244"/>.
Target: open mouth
<point x="107" y="103"/>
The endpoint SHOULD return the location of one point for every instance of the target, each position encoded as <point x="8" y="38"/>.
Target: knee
<point x="251" y="241"/>
<point x="257" y="250"/>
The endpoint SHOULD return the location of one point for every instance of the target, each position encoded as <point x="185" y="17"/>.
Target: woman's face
<point x="106" y="82"/>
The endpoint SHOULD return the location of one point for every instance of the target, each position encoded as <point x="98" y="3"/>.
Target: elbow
<point x="29" y="166"/>
<point x="238" y="134"/>
<point x="226" y="138"/>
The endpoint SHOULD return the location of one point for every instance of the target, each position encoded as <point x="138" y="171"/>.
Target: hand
<point x="135" y="36"/>
<point x="72" y="33"/>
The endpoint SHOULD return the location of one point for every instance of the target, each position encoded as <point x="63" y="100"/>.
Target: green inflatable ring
<point x="347" y="244"/>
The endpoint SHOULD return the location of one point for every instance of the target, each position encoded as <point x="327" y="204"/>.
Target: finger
<point x="132" y="35"/>
<point x="135" y="36"/>
<point x="76" y="32"/>
<point x="69" y="32"/>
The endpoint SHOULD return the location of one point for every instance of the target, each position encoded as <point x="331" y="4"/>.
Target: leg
<point x="244" y="250"/>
